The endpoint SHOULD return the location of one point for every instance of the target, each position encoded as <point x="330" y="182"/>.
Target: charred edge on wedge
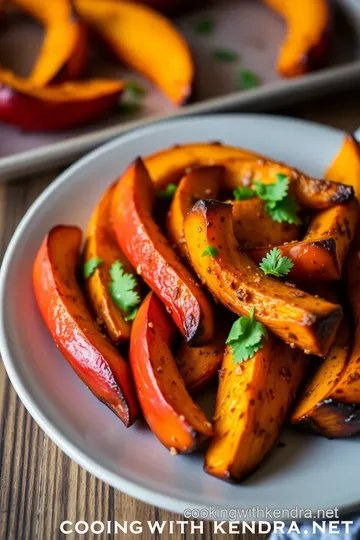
<point x="343" y="193"/>
<point x="329" y="245"/>
<point x="346" y="419"/>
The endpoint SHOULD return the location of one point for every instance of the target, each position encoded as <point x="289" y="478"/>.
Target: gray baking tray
<point x="245" y="26"/>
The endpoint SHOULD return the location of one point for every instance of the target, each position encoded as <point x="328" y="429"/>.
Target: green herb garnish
<point x="273" y="192"/>
<point x="90" y="266"/>
<point x="248" y="79"/>
<point x="241" y="193"/>
<point x="132" y="315"/>
<point x="245" y="337"/>
<point x="122" y="290"/>
<point x="205" y="26"/>
<point x="274" y="264"/>
<point x="284" y="211"/>
<point x="210" y="251"/>
<point x="280" y="206"/>
<point x="128" y="107"/>
<point x="134" y="89"/>
<point x="226" y="55"/>
<point x="168" y="192"/>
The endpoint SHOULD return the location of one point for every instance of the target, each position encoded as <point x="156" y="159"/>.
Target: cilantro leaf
<point x="210" y="251"/>
<point x="168" y="192"/>
<point x="131" y="315"/>
<point x="122" y="288"/>
<point x="245" y="337"/>
<point x="226" y="55"/>
<point x="275" y="265"/>
<point x="128" y="107"/>
<point x="279" y="204"/>
<point x="248" y="79"/>
<point x="205" y="26"/>
<point x="273" y="192"/>
<point x="90" y="266"/>
<point x="134" y="89"/>
<point x="242" y="193"/>
<point x="285" y="210"/>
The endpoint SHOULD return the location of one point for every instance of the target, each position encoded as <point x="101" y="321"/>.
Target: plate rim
<point x="117" y="481"/>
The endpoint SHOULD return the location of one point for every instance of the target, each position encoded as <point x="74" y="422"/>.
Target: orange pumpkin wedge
<point x="345" y="168"/>
<point x="253" y="226"/>
<point x="64" y="49"/>
<point x="145" y="40"/>
<point x="242" y="168"/>
<point x="101" y="244"/>
<point x="54" y="107"/>
<point x="320" y="255"/>
<point x="168" y="409"/>
<point x="237" y="282"/>
<point x="251" y="405"/>
<point x="65" y="313"/>
<point x="319" y="408"/>
<point x="143" y="243"/>
<point x="199" y="365"/>
<point x="308" y="26"/>
<point x="313" y="193"/>
<point x="348" y="388"/>
<point x="200" y="183"/>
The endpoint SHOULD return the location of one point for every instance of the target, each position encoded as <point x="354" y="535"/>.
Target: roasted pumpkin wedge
<point x="200" y="183"/>
<point x="348" y="388"/>
<point x="168" y="409"/>
<point x="310" y="192"/>
<point x="307" y="36"/>
<point x="64" y="49"/>
<point x="146" y="41"/>
<point x="63" y="308"/>
<point x="101" y="244"/>
<point x="54" y="107"/>
<point x="251" y="405"/>
<point x="236" y="281"/>
<point x="170" y="165"/>
<point x="321" y="254"/>
<point x="253" y="226"/>
<point x="150" y="253"/>
<point x="346" y="166"/>
<point x="199" y="365"/>
<point x="319" y="409"/>
<point x="242" y="168"/>
<point x="334" y="420"/>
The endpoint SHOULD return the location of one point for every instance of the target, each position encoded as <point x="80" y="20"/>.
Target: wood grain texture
<point x="39" y="486"/>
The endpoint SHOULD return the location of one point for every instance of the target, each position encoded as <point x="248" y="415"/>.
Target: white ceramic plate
<point x="309" y="472"/>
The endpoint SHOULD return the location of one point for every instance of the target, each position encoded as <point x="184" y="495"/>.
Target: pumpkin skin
<point x="64" y="310"/>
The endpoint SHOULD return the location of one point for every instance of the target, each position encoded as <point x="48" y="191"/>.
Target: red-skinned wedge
<point x="54" y="107"/>
<point x="144" y="245"/>
<point x="168" y="409"/>
<point x="64" y="50"/>
<point x="237" y="282"/>
<point x="63" y="308"/>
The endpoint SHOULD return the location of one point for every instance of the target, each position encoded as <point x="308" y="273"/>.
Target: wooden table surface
<point x="40" y="486"/>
